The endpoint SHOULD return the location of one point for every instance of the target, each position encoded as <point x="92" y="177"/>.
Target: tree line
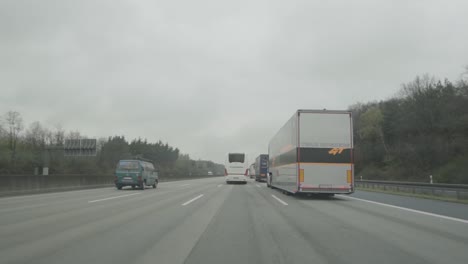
<point x="420" y="132"/>
<point x="28" y="150"/>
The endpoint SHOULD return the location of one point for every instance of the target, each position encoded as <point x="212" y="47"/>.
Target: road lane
<point x="250" y="228"/>
<point x="192" y="200"/>
<point x="279" y="200"/>
<point x="15" y="209"/>
<point x="225" y="224"/>
<point x="457" y="210"/>
<point x="408" y="209"/>
<point x="176" y="245"/>
<point x="113" y="197"/>
<point x="140" y="235"/>
<point x="78" y="213"/>
<point x="397" y="235"/>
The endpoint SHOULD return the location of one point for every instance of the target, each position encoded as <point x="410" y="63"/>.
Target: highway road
<point x="206" y="221"/>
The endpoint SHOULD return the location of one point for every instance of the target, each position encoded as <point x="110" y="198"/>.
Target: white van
<point x="236" y="168"/>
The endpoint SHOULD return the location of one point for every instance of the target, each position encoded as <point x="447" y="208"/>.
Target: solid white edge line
<point x="279" y="200"/>
<point x="110" y="198"/>
<point x="258" y="186"/>
<point x="189" y="201"/>
<point x="409" y="210"/>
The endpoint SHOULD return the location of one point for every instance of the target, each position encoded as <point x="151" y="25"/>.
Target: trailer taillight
<point x="301" y="175"/>
<point x="349" y="176"/>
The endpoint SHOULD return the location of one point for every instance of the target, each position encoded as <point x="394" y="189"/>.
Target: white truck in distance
<point x="313" y="153"/>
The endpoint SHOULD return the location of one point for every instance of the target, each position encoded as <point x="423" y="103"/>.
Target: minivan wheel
<point x="155" y="184"/>
<point x="119" y="187"/>
<point x="133" y="186"/>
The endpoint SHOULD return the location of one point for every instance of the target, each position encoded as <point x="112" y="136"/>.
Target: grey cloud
<point x="212" y="76"/>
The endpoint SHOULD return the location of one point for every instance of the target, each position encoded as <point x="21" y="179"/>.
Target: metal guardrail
<point x="454" y="191"/>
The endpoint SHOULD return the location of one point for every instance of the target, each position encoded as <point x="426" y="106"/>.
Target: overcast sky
<point x="212" y="76"/>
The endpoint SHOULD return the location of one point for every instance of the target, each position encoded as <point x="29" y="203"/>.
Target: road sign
<point x="80" y="147"/>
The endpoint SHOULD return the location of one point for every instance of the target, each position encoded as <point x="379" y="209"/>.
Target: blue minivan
<point x="135" y="173"/>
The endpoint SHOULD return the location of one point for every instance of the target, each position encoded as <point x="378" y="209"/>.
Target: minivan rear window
<point x="128" y="165"/>
<point x="237" y="157"/>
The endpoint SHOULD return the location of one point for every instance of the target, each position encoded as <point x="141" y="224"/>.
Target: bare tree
<point x="418" y="86"/>
<point x="464" y="76"/>
<point x="14" y="123"/>
<point x="58" y="135"/>
<point x="2" y="131"/>
<point x="36" y="135"/>
<point x="74" y="135"/>
<point x="49" y="137"/>
<point x="100" y="143"/>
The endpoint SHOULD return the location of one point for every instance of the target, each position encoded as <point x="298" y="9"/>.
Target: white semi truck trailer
<point x="313" y="153"/>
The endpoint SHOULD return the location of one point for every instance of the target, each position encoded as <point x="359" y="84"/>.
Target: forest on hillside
<point x="420" y="132"/>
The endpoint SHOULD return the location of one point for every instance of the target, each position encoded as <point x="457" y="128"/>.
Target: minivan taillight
<point x="139" y="178"/>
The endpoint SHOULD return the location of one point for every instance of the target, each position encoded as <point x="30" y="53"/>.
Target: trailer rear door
<point x="325" y="152"/>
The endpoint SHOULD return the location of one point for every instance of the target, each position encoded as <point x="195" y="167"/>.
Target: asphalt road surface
<point x="206" y="221"/>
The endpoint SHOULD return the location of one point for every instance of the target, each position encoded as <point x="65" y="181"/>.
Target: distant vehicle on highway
<point x="236" y="168"/>
<point x="252" y="171"/>
<point x="135" y="173"/>
<point x="210" y="173"/>
<point x="312" y="153"/>
<point x="261" y="167"/>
